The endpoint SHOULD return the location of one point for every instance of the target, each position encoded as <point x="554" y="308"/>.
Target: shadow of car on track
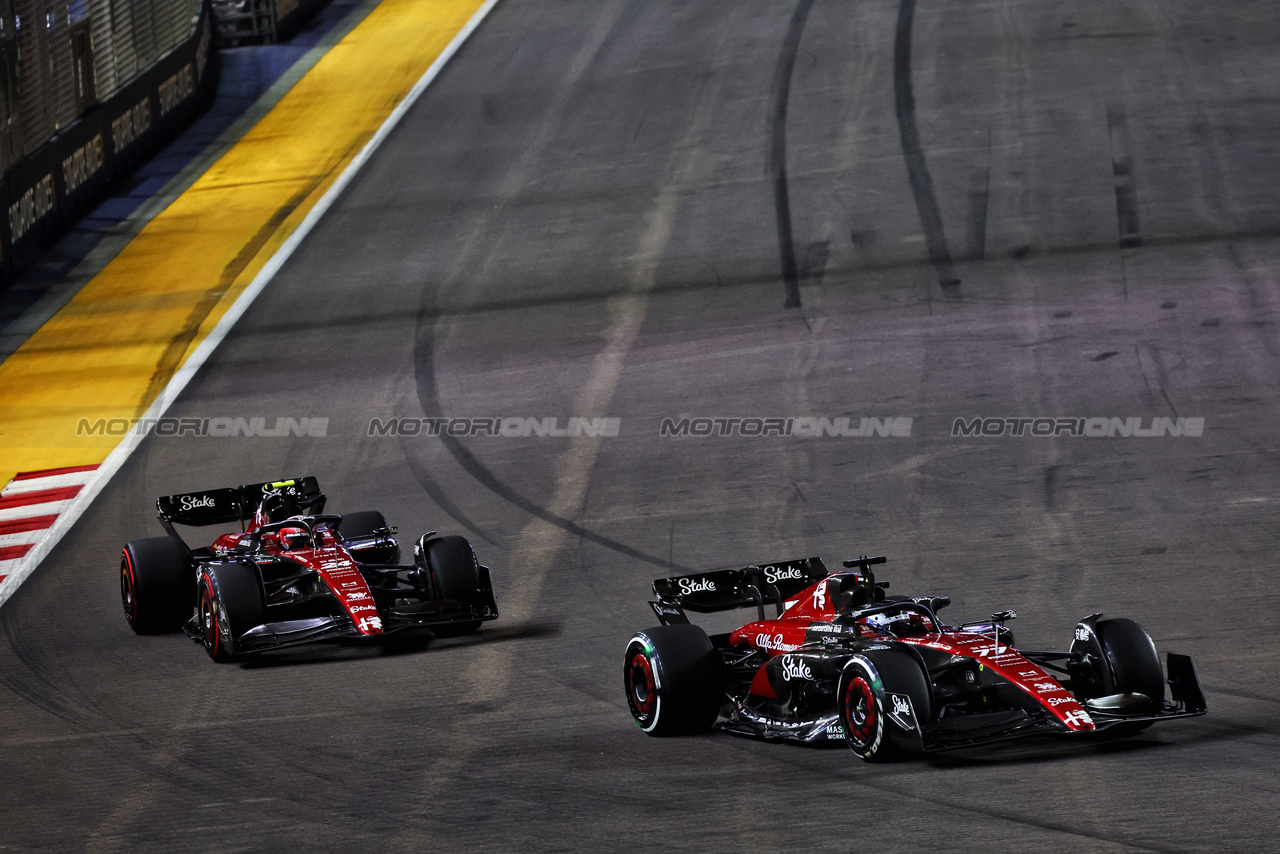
<point x="399" y="644"/>
<point x="1033" y="752"/>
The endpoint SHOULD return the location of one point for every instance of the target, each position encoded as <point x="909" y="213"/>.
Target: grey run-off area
<point x="580" y="219"/>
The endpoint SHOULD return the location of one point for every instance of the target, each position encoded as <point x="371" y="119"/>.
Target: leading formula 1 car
<point x="294" y="575"/>
<point x="842" y="662"/>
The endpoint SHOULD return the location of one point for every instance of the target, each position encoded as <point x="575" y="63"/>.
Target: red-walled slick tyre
<point x="230" y="603"/>
<point x="876" y="688"/>
<point x="674" y="680"/>
<point x="157" y="585"/>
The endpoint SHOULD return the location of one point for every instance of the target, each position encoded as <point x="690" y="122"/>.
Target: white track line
<point x="117" y="457"/>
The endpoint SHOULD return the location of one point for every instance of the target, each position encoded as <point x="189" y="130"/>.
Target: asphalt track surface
<point x="991" y="209"/>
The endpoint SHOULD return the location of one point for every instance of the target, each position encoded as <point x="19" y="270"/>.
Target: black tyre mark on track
<point x="29" y="678"/>
<point x="1050" y="486"/>
<point x="815" y="261"/>
<point x="778" y="150"/>
<point x="429" y="401"/>
<point x="1122" y="169"/>
<point x="917" y="168"/>
<point x="437" y="494"/>
<point x="979" y="198"/>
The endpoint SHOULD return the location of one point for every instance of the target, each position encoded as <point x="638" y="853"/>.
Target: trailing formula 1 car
<point x="841" y="662"/>
<point x="294" y="575"/>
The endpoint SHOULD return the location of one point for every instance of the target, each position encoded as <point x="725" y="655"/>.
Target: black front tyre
<point x="156" y="585"/>
<point x="1135" y="664"/>
<point x="674" y="680"/>
<point x="872" y="687"/>
<point x="456" y="575"/>
<point x="230" y="603"/>
<point x="1120" y="658"/>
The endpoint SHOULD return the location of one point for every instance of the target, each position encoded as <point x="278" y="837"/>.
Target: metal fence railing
<point x="60" y="57"/>
<point x="245" y="22"/>
<point x="88" y="90"/>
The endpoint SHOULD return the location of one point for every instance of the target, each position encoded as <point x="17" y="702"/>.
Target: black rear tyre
<point x="355" y="526"/>
<point x="230" y="603"/>
<point x="865" y="704"/>
<point x="456" y="575"/>
<point x="361" y="523"/>
<point x="157" y="585"/>
<point x="674" y="679"/>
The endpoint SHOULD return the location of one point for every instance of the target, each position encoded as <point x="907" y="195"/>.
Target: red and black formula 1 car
<point x="842" y="662"/>
<point x="293" y="575"/>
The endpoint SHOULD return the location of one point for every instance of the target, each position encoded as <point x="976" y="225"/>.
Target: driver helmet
<point x="294" y="538"/>
<point x="899" y="624"/>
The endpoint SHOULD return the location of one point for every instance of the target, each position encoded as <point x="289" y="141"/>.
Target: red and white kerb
<point x="30" y="504"/>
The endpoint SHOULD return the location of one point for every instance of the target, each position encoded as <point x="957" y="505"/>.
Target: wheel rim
<point x="209" y="619"/>
<point x="641" y="689"/>
<point x="128" y="592"/>
<point x="859" y="713"/>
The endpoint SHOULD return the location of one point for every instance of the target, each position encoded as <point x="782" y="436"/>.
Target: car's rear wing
<point x="725" y="589"/>
<point x="234" y="503"/>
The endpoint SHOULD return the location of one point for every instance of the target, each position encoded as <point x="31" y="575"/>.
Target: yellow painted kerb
<point x="110" y="351"/>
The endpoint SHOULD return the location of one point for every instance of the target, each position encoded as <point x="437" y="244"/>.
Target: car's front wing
<point x="288" y="633"/>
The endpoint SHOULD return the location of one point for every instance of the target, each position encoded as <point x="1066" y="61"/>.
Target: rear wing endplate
<point x="234" y="503"/>
<point x="726" y="589"/>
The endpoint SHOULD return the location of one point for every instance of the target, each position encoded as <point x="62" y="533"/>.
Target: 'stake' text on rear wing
<point x="726" y="589"/>
<point x="234" y="503"/>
